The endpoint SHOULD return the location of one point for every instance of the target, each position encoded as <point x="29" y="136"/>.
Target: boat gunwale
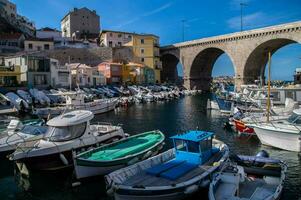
<point x="223" y="148"/>
<point x="276" y="129"/>
<point x="79" y="158"/>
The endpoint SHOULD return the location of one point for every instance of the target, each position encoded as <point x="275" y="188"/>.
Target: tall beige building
<point x="80" y="23"/>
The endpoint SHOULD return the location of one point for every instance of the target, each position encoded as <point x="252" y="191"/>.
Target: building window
<point x="40" y="79"/>
<point x="111" y="34"/>
<point x="46" y="46"/>
<point x="119" y="35"/>
<point x="142" y="51"/>
<point x="129" y="36"/>
<point x="39" y="48"/>
<point x="110" y="44"/>
<point x="29" y="46"/>
<point x="142" y="59"/>
<point x="119" y="44"/>
<point x="142" y="41"/>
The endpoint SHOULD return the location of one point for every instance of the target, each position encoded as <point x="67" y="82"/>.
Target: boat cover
<point x="259" y="159"/>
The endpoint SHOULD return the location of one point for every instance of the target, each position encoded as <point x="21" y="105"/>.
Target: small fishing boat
<point x="108" y="158"/>
<point x="173" y="174"/>
<point x="69" y="132"/>
<point x="251" y="177"/>
<point x="76" y="101"/>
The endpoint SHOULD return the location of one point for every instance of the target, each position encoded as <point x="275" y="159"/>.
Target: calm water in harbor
<point x="171" y="117"/>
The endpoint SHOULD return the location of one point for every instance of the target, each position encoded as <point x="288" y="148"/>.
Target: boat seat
<point x="178" y="171"/>
<point x="158" y="169"/>
<point x="261" y="193"/>
<point x="226" y="191"/>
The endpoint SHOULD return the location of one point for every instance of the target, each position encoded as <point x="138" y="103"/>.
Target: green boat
<point x="108" y="158"/>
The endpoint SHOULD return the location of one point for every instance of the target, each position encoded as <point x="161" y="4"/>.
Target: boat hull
<point x="57" y="161"/>
<point x="176" y="190"/>
<point x="86" y="168"/>
<point x="95" y="108"/>
<point x="279" y="139"/>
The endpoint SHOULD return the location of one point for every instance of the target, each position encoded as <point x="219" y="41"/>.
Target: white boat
<point x="76" y="101"/>
<point x="17" y="101"/>
<point x="173" y="174"/>
<point x="282" y="134"/>
<point x="17" y="133"/>
<point x="253" y="177"/>
<point x="67" y="132"/>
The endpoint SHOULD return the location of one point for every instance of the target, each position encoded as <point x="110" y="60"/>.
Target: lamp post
<point x="183" y="29"/>
<point x="241" y="18"/>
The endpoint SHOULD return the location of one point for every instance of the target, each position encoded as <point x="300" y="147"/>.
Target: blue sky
<point x="163" y="18"/>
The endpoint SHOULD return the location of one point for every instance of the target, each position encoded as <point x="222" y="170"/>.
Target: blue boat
<point x="173" y="174"/>
<point x="224" y="104"/>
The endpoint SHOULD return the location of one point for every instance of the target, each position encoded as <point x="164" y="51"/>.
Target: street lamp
<point x="241" y="7"/>
<point x="183" y="29"/>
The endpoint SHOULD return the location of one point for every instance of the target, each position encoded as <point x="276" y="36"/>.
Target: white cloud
<point x="147" y="14"/>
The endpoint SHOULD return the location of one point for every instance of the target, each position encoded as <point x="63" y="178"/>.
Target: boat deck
<point x="249" y="189"/>
<point x="143" y="179"/>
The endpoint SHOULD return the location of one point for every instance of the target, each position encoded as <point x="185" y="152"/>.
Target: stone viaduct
<point x="248" y="51"/>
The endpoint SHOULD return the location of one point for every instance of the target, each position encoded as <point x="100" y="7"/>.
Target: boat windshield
<point x="60" y="134"/>
<point x="34" y="130"/>
<point x="294" y="118"/>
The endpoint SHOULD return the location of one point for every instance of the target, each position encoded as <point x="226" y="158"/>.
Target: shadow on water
<point x="171" y="117"/>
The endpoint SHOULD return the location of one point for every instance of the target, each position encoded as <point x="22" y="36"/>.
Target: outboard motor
<point x="263" y="154"/>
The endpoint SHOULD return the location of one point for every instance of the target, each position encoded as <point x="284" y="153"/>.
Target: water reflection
<point x="171" y="118"/>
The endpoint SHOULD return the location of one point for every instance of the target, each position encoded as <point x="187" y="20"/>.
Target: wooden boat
<point x="105" y="159"/>
<point x="173" y="174"/>
<point x="253" y="177"/>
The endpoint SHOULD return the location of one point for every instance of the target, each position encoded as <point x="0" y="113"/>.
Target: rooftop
<point x="130" y="33"/>
<point x="40" y="39"/>
<point x="195" y="136"/>
<point x="48" y="29"/>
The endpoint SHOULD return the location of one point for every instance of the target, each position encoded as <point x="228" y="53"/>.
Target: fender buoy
<point x="147" y="154"/>
<point x="64" y="159"/>
<point x="134" y="160"/>
<point x="191" y="189"/>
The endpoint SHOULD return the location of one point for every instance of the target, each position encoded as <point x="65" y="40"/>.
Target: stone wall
<point x="90" y="57"/>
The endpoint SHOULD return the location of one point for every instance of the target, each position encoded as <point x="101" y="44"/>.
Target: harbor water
<point x="171" y="117"/>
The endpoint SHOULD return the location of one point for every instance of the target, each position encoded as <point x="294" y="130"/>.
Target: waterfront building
<point x="297" y="76"/>
<point x="14" y="68"/>
<point x="38" y="44"/>
<point x="82" y="23"/>
<point x="11" y="43"/>
<point x="10" y="74"/>
<point x="98" y="77"/>
<point x="111" y="71"/>
<point x="38" y="73"/>
<point x="60" y="74"/>
<point x="144" y="47"/>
